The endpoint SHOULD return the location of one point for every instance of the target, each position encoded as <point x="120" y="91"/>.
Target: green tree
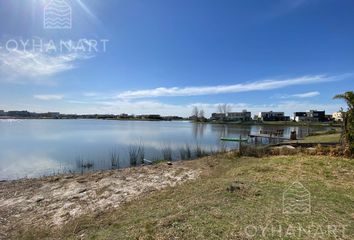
<point x="348" y="131"/>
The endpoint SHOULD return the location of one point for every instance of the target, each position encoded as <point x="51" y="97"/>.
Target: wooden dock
<point x="234" y="139"/>
<point x="267" y="136"/>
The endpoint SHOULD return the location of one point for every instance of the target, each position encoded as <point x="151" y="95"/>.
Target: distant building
<point x="18" y="114"/>
<point x="218" y="117"/>
<point x="300" y="116"/>
<point x="273" y="116"/>
<point x="2" y="113"/>
<point x="149" y="117"/>
<point x="320" y="115"/>
<point x="239" y="116"/>
<point x="338" y="116"/>
<point x="328" y="118"/>
<point x="310" y="116"/>
<point x="123" y="115"/>
<point x="53" y="114"/>
<point x="255" y="117"/>
<point x="193" y="118"/>
<point x="70" y="116"/>
<point x="172" y="118"/>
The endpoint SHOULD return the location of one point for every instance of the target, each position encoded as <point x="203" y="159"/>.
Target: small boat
<point x="234" y="139"/>
<point x="147" y="161"/>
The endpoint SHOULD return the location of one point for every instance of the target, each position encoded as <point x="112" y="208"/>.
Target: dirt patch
<point x="242" y="189"/>
<point x="54" y="201"/>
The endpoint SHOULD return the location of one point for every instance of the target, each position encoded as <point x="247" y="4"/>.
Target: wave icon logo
<point x="296" y="199"/>
<point x="57" y="15"/>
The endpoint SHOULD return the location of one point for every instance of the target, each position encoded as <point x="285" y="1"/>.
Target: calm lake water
<point x="32" y="148"/>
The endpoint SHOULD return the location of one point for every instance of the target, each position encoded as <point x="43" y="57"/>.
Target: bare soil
<point x="54" y="201"/>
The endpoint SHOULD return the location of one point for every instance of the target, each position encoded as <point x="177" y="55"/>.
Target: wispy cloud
<point x="48" y="97"/>
<point x="222" y="89"/>
<point x="91" y="94"/>
<point x="299" y="95"/>
<point x="307" y="95"/>
<point x="24" y="66"/>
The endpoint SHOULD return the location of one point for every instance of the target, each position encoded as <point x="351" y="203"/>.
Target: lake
<point x="33" y="148"/>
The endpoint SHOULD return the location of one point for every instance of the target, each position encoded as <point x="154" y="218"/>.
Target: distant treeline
<point x="57" y="115"/>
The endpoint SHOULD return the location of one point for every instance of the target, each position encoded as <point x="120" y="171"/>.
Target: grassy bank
<point x="235" y="198"/>
<point x="325" y="138"/>
<point x="279" y="123"/>
<point x="329" y="136"/>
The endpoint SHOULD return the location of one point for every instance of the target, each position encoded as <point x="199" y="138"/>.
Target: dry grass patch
<point x="230" y="195"/>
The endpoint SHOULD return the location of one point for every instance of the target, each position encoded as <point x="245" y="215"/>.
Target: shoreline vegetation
<point x="134" y="155"/>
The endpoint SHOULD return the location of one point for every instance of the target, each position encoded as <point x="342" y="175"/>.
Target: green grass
<point x="325" y="138"/>
<point x="292" y="123"/>
<point x="205" y="209"/>
<point x="279" y="123"/>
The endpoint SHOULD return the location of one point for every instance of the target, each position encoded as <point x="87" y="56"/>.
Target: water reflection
<point x="198" y="130"/>
<point x="39" y="147"/>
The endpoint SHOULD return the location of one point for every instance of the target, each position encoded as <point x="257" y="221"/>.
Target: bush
<point x="253" y="151"/>
<point x="284" y="151"/>
<point x="136" y="154"/>
<point x="166" y="152"/>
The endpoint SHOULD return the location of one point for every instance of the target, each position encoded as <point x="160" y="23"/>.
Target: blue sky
<point x="167" y="56"/>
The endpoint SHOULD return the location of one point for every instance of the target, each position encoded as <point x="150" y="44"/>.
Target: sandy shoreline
<point x="56" y="200"/>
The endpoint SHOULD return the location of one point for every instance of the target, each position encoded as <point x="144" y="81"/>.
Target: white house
<point x="338" y="116"/>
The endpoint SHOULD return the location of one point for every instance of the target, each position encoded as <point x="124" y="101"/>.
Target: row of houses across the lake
<point x="244" y="116"/>
<point x="309" y="116"/>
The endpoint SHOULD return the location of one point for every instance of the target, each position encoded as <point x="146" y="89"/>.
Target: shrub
<point x="253" y="151"/>
<point x="114" y="160"/>
<point x="166" y="152"/>
<point x="136" y="154"/>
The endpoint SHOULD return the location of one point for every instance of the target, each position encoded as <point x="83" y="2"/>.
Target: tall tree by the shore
<point x="195" y="112"/>
<point x="224" y="108"/>
<point x="348" y="119"/>
<point x="201" y="115"/>
<point x="198" y="115"/>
